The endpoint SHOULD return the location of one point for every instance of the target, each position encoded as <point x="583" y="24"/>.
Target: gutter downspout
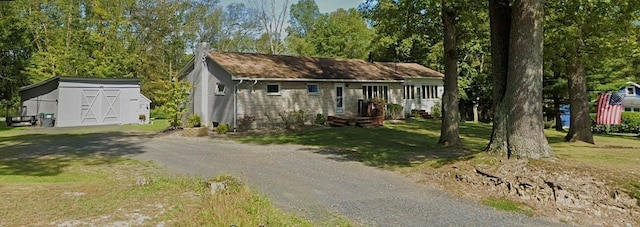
<point x="235" y="105"/>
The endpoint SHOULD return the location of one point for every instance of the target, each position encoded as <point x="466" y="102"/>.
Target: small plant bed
<point x="583" y="184"/>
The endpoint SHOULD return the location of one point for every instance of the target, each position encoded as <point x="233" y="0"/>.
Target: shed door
<point x="100" y="106"/>
<point x="90" y="107"/>
<point x="111" y="107"/>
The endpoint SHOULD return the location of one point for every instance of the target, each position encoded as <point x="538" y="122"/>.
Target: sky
<point x="325" y="6"/>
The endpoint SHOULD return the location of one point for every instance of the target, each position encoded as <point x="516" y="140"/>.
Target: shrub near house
<point x="630" y="123"/>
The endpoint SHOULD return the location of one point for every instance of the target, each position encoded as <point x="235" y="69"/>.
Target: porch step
<point x="337" y="121"/>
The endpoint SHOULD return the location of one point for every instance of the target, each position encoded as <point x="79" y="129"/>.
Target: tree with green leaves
<point x="584" y="35"/>
<point x="174" y="96"/>
<point x="339" y="34"/>
<point x="500" y="20"/>
<point x="450" y="132"/>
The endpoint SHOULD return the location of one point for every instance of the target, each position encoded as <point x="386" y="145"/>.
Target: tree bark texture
<point x="523" y="96"/>
<point x="449" y="132"/>
<point x="580" y="124"/>
<point x="556" y="100"/>
<point x="500" y="21"/>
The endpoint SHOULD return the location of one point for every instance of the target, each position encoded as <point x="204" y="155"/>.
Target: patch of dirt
<point x="557" y="193"/>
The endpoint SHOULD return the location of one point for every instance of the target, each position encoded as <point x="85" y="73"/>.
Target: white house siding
<point x="253" y="100"/>
<point x="144" y="108"/>
<point x="97" y="104"/>
<point x="418" y="100"/>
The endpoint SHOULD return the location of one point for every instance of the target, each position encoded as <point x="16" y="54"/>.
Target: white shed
<point x="86" y="101"/>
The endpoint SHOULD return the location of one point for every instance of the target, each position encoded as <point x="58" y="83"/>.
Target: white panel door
<point x="111" y="107"/>
<point x="90" y="107"/>
<point x="100" y="106"/>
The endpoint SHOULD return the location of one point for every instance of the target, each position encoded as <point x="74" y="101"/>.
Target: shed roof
<point x="57" y="79"/>
<point x="264" y="66"/>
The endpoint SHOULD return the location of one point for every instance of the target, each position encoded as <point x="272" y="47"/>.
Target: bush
<point x="158" y="113"/>
<point x="394" y="111"/>
<point x="244" y="124"/>
<point x="193" y="121"/>
<point x="293" y="118"/>
<point x="320" y="119"/>
<point x="415" y="113"/>
<point x="222" y="128"/>
<point x="436" y="111"/>
<point x="142" y="117"/>
<point x="630" y="123"/>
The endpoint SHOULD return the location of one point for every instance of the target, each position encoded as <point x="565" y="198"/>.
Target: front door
<point x="339" y="88"/>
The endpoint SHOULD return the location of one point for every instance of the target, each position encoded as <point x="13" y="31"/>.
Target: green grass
<point x="412" y="146"/>
<point x="415" y="142"/>
<point x="505" y="204"/>
<point x="52" y="175"/>
<point x="395" y="145"/>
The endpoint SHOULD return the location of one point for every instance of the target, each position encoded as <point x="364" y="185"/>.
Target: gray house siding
<point x="205" y="100"/>
<point x="220" y="103"/>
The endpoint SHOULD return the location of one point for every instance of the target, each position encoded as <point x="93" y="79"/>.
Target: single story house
<point x="631" y="101"/>
<point x="226" y="87"/>
<point x="86" y="101"/>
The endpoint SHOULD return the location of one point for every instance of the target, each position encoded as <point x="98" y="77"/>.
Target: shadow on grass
<point x="49" y="154"/>
<point x="395" y="145"/>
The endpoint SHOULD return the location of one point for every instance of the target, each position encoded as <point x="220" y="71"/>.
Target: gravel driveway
<point x="300" y="180"/>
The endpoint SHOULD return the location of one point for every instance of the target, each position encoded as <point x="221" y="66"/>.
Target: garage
<point x="86" y="101"/>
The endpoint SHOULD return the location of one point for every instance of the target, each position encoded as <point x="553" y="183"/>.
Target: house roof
<point x="263" y="66"/>
<point x="634" y="84"/>
<point x="79" y="79"/>
<point x="412" y="70"/>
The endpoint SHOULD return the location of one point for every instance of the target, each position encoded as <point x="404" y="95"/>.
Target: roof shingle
<point x="263" y="66"/>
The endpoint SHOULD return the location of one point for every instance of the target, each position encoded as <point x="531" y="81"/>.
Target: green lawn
<point x="57" y="176"/>
<point x="413" y="144"/>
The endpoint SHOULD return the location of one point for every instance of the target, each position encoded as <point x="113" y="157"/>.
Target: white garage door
<point x="100" y="106"/>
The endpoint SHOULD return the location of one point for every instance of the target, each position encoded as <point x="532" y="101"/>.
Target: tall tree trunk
<point x="557" y="113"/>
<point x="556" y="100"/>
<point x="449" y="132"/>
<point x="525" y="125"/>
<point x="580" y="124"/>
<point x="500" y="21"/>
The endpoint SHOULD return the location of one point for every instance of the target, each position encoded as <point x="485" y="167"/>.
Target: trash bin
<point x="47" y="120"/>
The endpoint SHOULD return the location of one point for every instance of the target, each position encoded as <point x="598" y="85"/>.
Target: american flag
<point x="609" y="108"/>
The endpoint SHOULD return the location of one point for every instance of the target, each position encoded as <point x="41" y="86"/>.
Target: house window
<point x="220" y="88"/>
<point x="636" y="109"/>
<point x="430" y="92"/>
<point x="313" y="89"/>
<point x="373" y="91"/>
<point x="273" y="89"/>
<point x="628" y="109"/>
<point x="631" y="90"/>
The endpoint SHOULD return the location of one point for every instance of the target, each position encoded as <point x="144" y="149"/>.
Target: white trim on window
<point x="630" y="90"/>
<point x="313" y="89"/>
<point x="220" y="88"/>
<point x="270" y="85"/>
